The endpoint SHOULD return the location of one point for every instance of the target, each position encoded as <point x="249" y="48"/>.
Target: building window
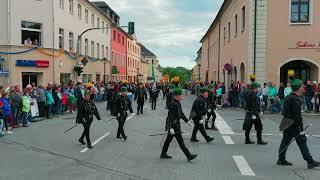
<point x="98" y="22"/>
<point x="243" y="18"/>
<point x="224" y="35"/>
<point x="86" y="78"/>
<point x="31" y="33"/>
<point x="98" y="50"/>
<point x="71" y="6"/>
<point x="86" y="47"/>
<point x="300" y="11"/>
<point x="71" y="41"/>
<point x="86" y="16"/>
<point x="114" y="36"/>
<point x="123" y="41"/>
<point x="61" y="38"/>
<point x="79" y="11"/>
<point x="112" y="57"/>
<point x="61" y="3"/>
<point x="107" y="52"/>
<point x="119" y="39"/>
<point x="102" y="52"/>
<point x="1" y="64"/>
<point x="92" y="48"/>
<point x="236" y="25"/>
<point x="103" y="26"/>
<point x="107" y="28"/>
<point x="79" y="45"/>
<point x="229" y="27"/>
<point x="92" y="20"/>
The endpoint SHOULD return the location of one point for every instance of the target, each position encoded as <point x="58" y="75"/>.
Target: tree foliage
<point x="183" y="73"/>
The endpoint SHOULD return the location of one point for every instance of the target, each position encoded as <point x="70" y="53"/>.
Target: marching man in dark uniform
<point x="140" y="96"/>
<point x="292" y="127"/>
<point x="173" y="126"/>
<point x="154" y="96"/>
<point x="169" y="97"/>
<point x="198" y="113"/>
<point x="253" y="115"/>
<point x="211" y="100"/>
<point x="86" y="110"/>
<point x="123" y="104"/>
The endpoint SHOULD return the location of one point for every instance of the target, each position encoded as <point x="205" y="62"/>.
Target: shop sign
<point x="32" y="63"/>
<point x="307" y="45"/>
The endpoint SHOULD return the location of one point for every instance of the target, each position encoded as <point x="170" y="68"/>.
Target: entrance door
<point x="303" y="70"/>
<point x="29" y="79"/>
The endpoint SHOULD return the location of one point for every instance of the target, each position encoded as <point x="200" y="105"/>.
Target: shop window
<point x="31" y="33"/>
<point x="65" y="77"/>
<point x="97" y="77"/>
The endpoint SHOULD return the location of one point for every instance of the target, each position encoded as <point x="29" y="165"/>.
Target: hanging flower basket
<point x="227" y="67"/>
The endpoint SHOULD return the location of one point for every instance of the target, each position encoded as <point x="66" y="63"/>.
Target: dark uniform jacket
<point x="252" y="108"/>
<point x="154" y="93"/>
<point x="199" y="109"/>
<point x="141" y="94"/>
<point x="292" y="110"/>
<point x="174" y="115"/>
<point x="123" y="104"/>
<point x="86" y="111"/>
<point x="169" y="99"/>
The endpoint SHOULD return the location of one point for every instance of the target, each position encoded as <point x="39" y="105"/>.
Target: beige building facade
<point x="42" y="49"/>
<point x="133" y="59"/>
<point x="247" y="38"/>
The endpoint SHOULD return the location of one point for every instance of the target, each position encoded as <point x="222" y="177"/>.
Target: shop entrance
<point x="29" y="78"/>
<point x="304" y="70"/>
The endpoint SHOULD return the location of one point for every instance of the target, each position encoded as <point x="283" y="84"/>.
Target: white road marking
<point x="107" y="134"/>
<point x="96" y="142"/>
<point x="227" y="140"/>
<point x="222" y="125"/>
<point x="243" y="166"/>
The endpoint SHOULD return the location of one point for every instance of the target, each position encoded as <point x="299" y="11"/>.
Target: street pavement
<point x="44" y="151"/>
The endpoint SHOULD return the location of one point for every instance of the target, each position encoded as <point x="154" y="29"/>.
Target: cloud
<point x="171" y="29"/>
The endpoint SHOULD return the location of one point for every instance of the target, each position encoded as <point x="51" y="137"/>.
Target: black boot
<point x="209" y="139"/>
<point x="194" y="140"/>
<point x="313" y="164"/>
<point x="89" y="146"/>
<point x="284" y="163"/>
<point x="191" y="157"/>
<point x="165" y="156"/>
<point x="82" y="141"/>
<point x="259" y="137"/>
<point x="261" y="142"/>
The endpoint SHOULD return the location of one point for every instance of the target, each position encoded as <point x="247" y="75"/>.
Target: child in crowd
<point x="25" y="108"/>
<point x="64" y="101"/>
<point x="72" y="101"/>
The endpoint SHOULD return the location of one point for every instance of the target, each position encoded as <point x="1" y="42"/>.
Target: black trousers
<point x="140" y="107"/>
<point x="121" y="120"/>
<point x="153" y="103"/>
<point x="257" y="125"/>
<point x="41" y="106"/>
<point x="199" y="127"/>
<point x="179" y="139"/>
<point x="86" y="131"/>
<point x="214" y="116"/>
<point x="301" y="140"/>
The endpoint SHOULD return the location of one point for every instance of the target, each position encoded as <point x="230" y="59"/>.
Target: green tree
<point x="183" y="73"/>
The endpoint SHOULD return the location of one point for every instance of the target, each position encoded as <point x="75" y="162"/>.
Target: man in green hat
<point x="253" y="115"/>
<point x="173" y="126"/>
<point x="123" y="104"/>
<point x="198" y="113"/>
<point x="86" y="110"/>
<point x="292" y="127"/>
<point x="211" y="101"/>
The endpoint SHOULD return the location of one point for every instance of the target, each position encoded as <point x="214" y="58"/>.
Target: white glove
<point x="171" y="131"/>
<point x="209" y="110"/>
<point x="254" y="117"/>
<point x="261" y="114"/>
<point x="302" y="133"/>
<point x="189" y="124"/>
<point x="201" y="121"/>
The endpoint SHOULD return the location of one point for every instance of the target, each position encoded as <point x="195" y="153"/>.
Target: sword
<point x="160" y="134"/>
<point x="71" y="128"/>
<point x="294" y="139"/>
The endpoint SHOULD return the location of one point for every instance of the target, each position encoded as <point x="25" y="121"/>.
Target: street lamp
<point x="199" y="67"/>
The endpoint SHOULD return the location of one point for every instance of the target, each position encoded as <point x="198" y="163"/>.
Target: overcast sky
<point x="171" y="29"/>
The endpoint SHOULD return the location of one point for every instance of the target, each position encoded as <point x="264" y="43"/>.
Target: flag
<point x="152" y="73"/>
